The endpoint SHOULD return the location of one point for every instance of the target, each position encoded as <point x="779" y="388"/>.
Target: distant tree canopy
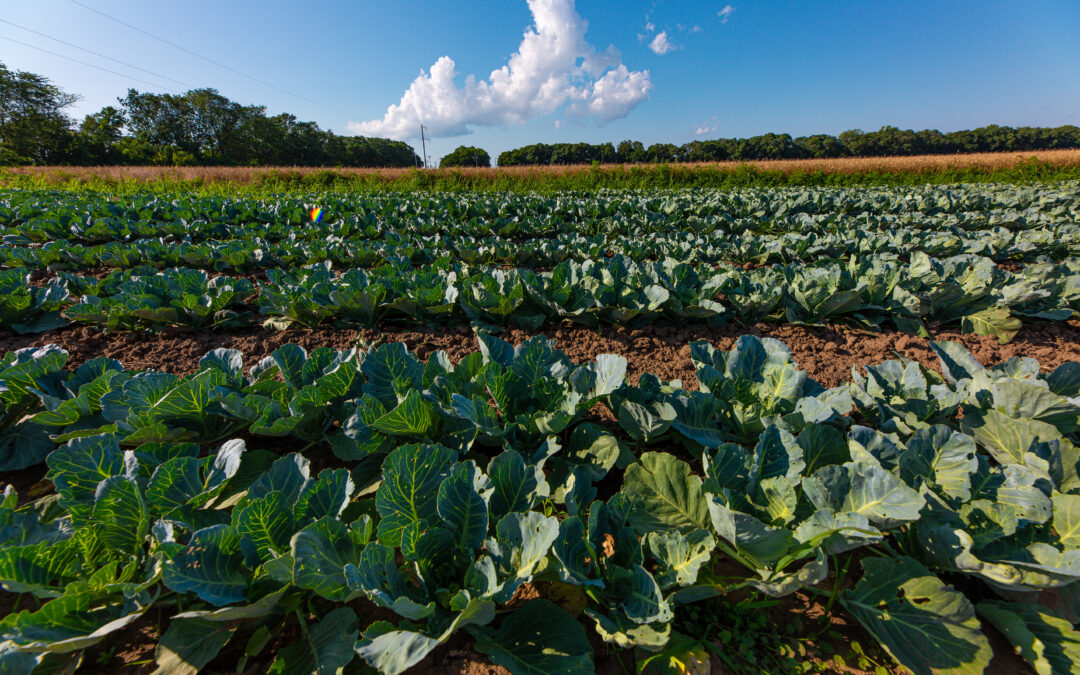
<point x="887" y="141"/>
<point x="466" y="155"/>
<point x="198" y="127"/>
<point x="33" y="126"/>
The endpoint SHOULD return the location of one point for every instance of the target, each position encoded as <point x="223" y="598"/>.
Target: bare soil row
<point x="827" y="353"/>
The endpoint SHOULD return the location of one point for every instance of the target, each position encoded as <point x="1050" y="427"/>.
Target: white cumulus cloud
<point x="554" y="68"/>
<point x="726" y="13"/>
<point x="661" y="44"/>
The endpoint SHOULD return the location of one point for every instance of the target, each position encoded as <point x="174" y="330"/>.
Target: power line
<point x="90" y="65"/>
<point x="216" y="63"/>
<point x="98" y="54"/>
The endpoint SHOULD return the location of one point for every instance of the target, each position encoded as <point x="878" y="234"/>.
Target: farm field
<point x="761" y="430"/>
<point x="1025" y="166"/>
<point x="913" y="163"/>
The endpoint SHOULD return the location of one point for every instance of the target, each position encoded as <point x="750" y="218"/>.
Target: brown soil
<point x="826" y="353"/>
<point x="29" y="483"/>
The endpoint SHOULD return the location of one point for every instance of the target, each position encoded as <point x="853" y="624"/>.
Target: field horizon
<point x="1015" y="166"/>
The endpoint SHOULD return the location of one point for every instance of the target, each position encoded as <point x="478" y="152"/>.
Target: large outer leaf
<point x="288" y="475"/>
<point x="538" y="639"/>
<point x="927" y="626"/>
<point x="776" y="454"/>
<point x="664" y="495"/>
<point x="174" y="483"/>
<point x="410" y="487"/>
<point x="754" y="540"/>
<point x="320" y="553"/>
<point x="640" y="597"/>
<point x="358" y="437"/>
<point x="522" y="541"/>
<point x="42" y="569"/>
<point x="411" y="417"/>
<point x="393" y="651"/>
<point x="822" y="445"/>
<point x="866" y="489"/>
<point x="1067" y="520"/>
<point x="326" y="649"/>
<point x="190" y="644"/>
<point x="378" y="576"/>
<point x="516" y="487"/>
<point x="678" y="556"/>
<point x="121" y="515"/>
<point x="265" y="526"/>
<point x="1007" y="438"/>
<point x="462" y="508"/>
<point x="995" y="321"/>
<point x="941" y="457"/>
<point x="1026" y="400"/>
<point x="24" y="445"/>
<point x="391" y="369"/>
<point x="210" y="566"/>
<point x="841" y="531"/>
<point x="600" y="378"/>
<point x="77" y="467"/>
<point x="571" y="549"/>
<point x="1045" y="640"/>
<point x="327" y="496"/>
<point x="72" y="622"/>
<point x="626" y="634"/>
<point x="957" y="363"/>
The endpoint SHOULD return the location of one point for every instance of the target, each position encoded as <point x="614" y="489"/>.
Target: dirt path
<point x="826" y="353"/>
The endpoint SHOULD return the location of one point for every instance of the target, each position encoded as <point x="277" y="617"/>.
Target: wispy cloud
<point x="707" y="128"/>
<point x="554" y="69"/>
<point x="661" y="44"/>
<point x="725" y="13"/>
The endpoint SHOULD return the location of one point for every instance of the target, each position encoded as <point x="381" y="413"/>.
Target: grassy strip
<point x="540" y="179"/>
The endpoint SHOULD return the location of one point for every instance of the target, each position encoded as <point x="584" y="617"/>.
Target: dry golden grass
<point x="215" y="174"/>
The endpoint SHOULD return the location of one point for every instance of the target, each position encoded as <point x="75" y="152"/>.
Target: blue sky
<point x="652" y="71"/>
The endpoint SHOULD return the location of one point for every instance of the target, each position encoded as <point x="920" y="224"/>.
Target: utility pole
<point x="423" y="145"/>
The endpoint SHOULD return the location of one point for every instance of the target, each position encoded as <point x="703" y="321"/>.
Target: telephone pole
<point x="423" y="145"/>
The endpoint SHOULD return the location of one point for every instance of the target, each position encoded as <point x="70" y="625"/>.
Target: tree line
<point x="198" y="127"/>
<point x="203" y="127"/>
<point x="887" y="141"/>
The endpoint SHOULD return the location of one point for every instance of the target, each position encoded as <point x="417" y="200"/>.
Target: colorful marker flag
<point x="316" y="214"/>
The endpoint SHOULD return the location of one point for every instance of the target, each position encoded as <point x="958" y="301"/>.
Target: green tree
<point x="466" y="155"/>
<point x="631" y="152"/>
<point x="822" y="145"/>
<point x="659" y="153"/>
<point x="33" y="126"/>
<point x="98" y="136"/>
<point x="859" y="143"/>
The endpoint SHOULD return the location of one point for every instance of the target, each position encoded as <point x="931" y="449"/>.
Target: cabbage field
<point x="350" y="496"/>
